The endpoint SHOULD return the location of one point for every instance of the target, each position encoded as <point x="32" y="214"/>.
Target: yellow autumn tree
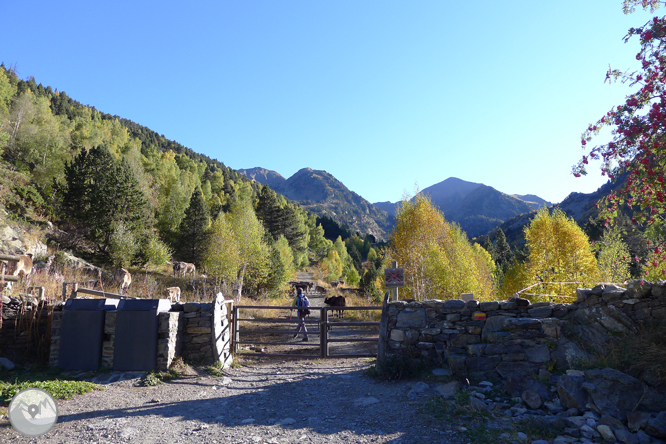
<point x="331" y="266"/>
<point x="559" y="251"/>
<point x="438" y="260"/>
<point x="419" y="228"/>
<point x="614" y="256"/>
<point x="455" y="267"/>
<point x="515" y="279"/>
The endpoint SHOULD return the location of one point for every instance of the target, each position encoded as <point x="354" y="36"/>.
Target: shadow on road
<point x="313" y="401"/>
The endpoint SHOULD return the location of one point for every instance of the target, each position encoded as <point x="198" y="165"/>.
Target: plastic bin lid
<point x="91" y="304"/>
<point x="156" y="305"/>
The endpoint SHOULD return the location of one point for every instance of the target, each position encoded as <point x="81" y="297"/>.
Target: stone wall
<point x="207" y="337"/>
<point x="54" y="352"/>
<point x="514" y="338"/>
<point x="516" y="346"/>
<point x="108" y="346"/>
<point x="170" y="335"/>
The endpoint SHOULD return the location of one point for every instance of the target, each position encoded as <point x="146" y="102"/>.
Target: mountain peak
<point x="264" y="176"/>
<point x="323" y="194"/>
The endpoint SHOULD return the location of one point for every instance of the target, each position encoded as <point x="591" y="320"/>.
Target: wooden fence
<point x="319" y="327"/>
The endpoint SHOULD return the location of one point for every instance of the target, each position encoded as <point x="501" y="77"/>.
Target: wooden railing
<point x="319" y="328"/>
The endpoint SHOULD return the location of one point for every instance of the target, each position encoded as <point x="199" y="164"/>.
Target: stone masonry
<point x="515" y="338"/>
<point x="55" y="338"/>
<point x="169" y="343"/>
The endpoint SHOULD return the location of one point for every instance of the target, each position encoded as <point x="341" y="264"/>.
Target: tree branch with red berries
<point x="638" y="129"/>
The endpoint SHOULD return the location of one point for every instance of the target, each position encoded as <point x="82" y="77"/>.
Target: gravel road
<point x="265" y="401"/>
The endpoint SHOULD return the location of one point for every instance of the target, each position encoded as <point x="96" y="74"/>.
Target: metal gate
<point x="321" y="327"/>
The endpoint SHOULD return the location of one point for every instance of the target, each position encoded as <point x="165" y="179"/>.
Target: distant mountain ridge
<point x="264" y="176"/>
<point x="478" y="208"/>
<point x="535" y="201"/>
<point x="324" y="195"/>
<point x="578" y="206"/>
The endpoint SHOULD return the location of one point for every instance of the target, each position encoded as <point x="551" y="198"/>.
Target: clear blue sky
<point x="384" y="95"/>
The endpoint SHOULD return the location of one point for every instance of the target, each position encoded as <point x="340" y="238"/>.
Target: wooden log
<point x="103" y="294"/>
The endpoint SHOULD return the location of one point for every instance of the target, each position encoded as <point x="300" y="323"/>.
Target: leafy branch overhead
<point x="638" y="127"/>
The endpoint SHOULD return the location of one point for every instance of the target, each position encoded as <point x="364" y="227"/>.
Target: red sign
<point x="394" y="277"/>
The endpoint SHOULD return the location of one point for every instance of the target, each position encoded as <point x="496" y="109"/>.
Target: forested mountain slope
<point x="121" y="194"/>
<point x="324" y="195"/>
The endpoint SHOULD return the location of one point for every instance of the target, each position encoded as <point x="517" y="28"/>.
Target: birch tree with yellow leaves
<point x="559" y="251"/>
<point x="439" y="261"/>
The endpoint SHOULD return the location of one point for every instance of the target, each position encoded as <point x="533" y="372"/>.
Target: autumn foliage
<point x="559" y="251"/>
<point x="638" y="128"/>
<point x="439" y="261"/>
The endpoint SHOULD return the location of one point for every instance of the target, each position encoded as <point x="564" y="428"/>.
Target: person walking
<point x="303" y="311"/>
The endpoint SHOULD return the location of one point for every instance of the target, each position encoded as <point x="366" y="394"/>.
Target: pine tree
<point x="502" y="254"/>
<point x="193" y="228"/>
<point x="488" y="246"/>
<point x="101" y="194"/>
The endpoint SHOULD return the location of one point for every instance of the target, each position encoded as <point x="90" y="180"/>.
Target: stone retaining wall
<point x="169" y="344"/>
<point x="514" y="338"/>
<point x="55" y="338"/>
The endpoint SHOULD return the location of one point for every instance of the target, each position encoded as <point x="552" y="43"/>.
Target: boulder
<point x="659" y="289"/>
<point x="568" y="355"/>
<point x="411" y="318"/>
<point x="637" y="420"/>
<point x="538" y="354"/>
<point x="616" y="393"/>
<point x="656" y="427"/>
<point x="571" y="392"/>
<point x="532" y="399"/>
<point x="606" y="433"/>
<point x="638" y="289"/>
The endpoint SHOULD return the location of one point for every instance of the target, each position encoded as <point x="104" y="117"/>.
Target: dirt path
<point x="270" y="401"/>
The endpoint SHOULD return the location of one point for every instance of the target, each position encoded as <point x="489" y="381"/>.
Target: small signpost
<point x="394" y="278"/>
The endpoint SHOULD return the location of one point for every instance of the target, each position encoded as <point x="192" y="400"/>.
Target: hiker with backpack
<point x="303" y="303"/>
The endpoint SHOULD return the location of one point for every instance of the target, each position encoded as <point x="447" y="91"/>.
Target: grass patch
<point x="460" y="411"/>
<point x="641" y="354"/>
<point x="483" y="435"/>
<point x="215" y="370"/>
<point x="48" y="380"/>
<point x="156" y="378"/>
<point x="537" y="428"/>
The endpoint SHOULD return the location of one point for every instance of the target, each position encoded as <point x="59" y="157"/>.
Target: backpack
<point x="302" y="301"/>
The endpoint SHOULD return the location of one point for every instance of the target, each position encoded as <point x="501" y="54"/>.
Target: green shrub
<point x="156" y="378"/>
<point x="64" y="389"/>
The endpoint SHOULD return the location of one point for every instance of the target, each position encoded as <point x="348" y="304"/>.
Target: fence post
<point x="323" y="332"/>
<point x="236" y="333"/>
<point x="394" y="290"/>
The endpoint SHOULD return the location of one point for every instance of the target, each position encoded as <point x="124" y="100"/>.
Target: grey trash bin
<point x="82" y="333"/>
<point x="137" y="323"/>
